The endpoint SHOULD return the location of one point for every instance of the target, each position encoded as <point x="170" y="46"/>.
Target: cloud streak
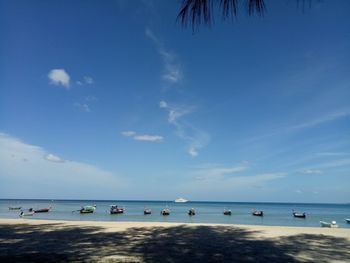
<point x="195" y="138"/>
<point x="172" y="72"/>
<point x="142" y="137"/>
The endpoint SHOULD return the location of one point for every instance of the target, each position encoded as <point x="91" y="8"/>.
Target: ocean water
<point x="275" y="214"/>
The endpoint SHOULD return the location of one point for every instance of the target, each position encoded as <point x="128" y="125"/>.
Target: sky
<point x="116" y="100"/>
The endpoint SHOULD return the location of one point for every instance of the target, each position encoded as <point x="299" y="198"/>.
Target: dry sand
<point x="23" y="240"/>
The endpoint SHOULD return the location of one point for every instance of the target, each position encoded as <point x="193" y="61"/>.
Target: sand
<point x="24" y="240"/>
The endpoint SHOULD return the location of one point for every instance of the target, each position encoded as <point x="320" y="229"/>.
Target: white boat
<point x="26" y="214"/>
<point x="331" y="225"/>
<point x="181" y="200"/>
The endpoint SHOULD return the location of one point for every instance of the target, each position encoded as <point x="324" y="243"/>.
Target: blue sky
<point x="115" y="100"/>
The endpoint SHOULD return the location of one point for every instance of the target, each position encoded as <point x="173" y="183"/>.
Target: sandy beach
<point x="24" y="240"/>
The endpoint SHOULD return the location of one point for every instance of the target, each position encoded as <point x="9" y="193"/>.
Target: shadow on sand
<point x="57" y="243"/>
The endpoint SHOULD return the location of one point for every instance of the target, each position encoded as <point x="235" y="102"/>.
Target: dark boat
<point x="258" y="213"/>
<point x="227" y="212"/>
<point x="42" y="210"/>
<point x="165" y="212"/>
<point x="191" y="212"/>
<point x="147" y="211"/>
<point x="116" y="210"/>
<point x="15" y="207"/>
<point x="299" y="215"/>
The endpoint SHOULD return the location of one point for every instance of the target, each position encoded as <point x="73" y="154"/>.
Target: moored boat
<point x="165" y="212"/>
<point x="299" y="215"/>
<point x="227" y="212"/>
<point x="15" y="207"/>
<point x="258" y="213"/>
<point x="333" y="224"/>
<point x="147" y="211"/>
<point x="42" y="210"/>
<point x="191" y="212"/>
<point x="26" y="214"/>
<point x="116" y="210"/>
<point x="347" y="220"/>
<point x="87" y="209"/>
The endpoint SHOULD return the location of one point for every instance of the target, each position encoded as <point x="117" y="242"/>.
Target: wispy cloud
<point x="195" y="138"/>
<point x="321" y="120"/>
<point x="311" y="171"/>
<point x="59" y="77"/>
<point x="216" y="172"/>
<point x="128" y="133"/>
<point x="149" y="138"/>
<point x="82" y="107"/>
<point x="142" y="137"/>
<point x="54" y="158"/>
<point x="172" y="69"/>
<point x="88" y="80"/>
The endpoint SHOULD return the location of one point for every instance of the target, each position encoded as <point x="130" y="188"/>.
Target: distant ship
<point x="181" y="200"/>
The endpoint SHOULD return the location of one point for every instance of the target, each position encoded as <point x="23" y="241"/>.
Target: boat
<point x="26" y="214"/>
<point x="299" y="215"/>
<point x="15" y="207"/>
<point x="227" y="212"/>
<point x="181" y="200"/>
<point x="347" y="220"/>
<point x="42" y="210"/>
<point x="191" y="212"/>
<point x="258" y="213"/>
<point x="165" y="212"/>
<point x="147" y="211"/>
<point x="116" y="210"/>
<point x="333" y="224"/>
<point x="87" y="209"/>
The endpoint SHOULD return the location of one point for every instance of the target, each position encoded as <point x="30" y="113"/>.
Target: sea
<point x="275" y="214"/>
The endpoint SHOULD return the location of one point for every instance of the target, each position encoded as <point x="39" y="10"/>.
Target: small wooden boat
<point x="15" y="207"/>
<point x="333" y="224"/>
<point x="87" y="209"/>
<point x="299" y="215"/>
<point x="347" y="220"/>
<point x="147" y="211"/>
<point x="116" y="210"/>
<point x="165" y="212"/>
<point x="42" y="210"/>
<point x="191" y="212"/>
<point x="227" y="212"/>
<point x="258" y="213"/>
<point x="26" y="214"/>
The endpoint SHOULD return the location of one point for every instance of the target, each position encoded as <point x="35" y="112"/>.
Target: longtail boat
<point x="87" y="209"/>
<point x="165" y="212"/>
<point x="15" y="207"/>
<point x="227" y="212"/>
<point x="147" y="211"/>
<point x="191" y="212"/>
<point x="299" y="215"/>
<point x="42" y="210"/>
<point x="258" y="213"/>
<point x="116" y="210"/>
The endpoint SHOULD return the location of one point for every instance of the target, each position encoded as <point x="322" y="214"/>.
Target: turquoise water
<point x="275" y="214"/>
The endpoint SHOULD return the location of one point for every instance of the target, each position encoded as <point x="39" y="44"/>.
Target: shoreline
<point x="32" y="240"/>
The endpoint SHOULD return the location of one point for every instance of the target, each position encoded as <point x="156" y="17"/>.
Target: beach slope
<point x="63" y="241"/>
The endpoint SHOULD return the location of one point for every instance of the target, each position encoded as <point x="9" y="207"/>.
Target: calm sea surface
<point x="275" y="214"/>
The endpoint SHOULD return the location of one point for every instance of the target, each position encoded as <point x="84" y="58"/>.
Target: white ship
<point x="181" y="200"/>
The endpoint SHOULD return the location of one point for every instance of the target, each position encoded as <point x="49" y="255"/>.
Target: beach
<point x="27" y="240"/>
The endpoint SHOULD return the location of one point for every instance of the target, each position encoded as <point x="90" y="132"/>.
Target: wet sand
<point x="24" y="240"/>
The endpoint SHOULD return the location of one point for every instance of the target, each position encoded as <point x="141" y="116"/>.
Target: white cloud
<point x="142" y="137"/>
<point x="59" y="77"/>
<point x="82" y="106"/>
<point x="128" y="133"/>
<point x="79" y="83"/>
<point x="195" y="138"/>
<point x="172" y="69"/>
<point x="215" y="172"/>
<point x="88" y="80"/>
<point x="53" y="158"/>
<point x="311" y="171"/>
<point x="150" y="138"/>
<point x="45" y="175"/>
